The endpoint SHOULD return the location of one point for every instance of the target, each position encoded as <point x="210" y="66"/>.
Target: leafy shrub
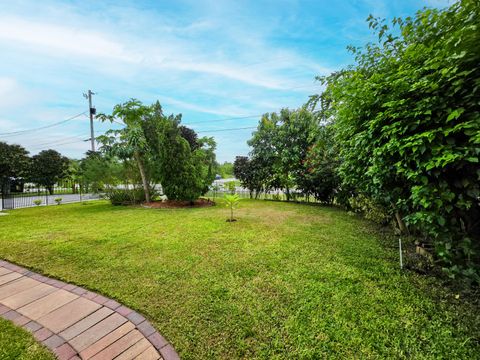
<point x="58" y="200"/>
<point x="125" y="196"/>
<point x="408" y="125"/>
<point x="37" y="202"/>
<point x="230" y="186"/>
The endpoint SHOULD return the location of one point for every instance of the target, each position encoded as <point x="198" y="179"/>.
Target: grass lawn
<point x="285" y="281"/>
<point x="18" y="344"/>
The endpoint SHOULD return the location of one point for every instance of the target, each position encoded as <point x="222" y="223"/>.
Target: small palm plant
<point x="37" y="202"/>
<point x="231" y="201"/>
<point x="58" y="200"/>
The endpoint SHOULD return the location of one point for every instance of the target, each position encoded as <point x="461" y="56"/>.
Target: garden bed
<point x="174" y="204"/>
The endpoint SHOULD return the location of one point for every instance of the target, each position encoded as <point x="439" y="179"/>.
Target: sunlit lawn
<point x="284" y="281"/>
<point x="18" y="344"/>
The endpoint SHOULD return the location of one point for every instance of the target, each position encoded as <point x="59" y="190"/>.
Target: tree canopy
<point x="395" y="135"/>
<point x="408" y="125"/>
<point x="163" y="149"/>
<point x="129" y="142"/>
<point x="48" y="167"/>
<point x="14" y="161"/>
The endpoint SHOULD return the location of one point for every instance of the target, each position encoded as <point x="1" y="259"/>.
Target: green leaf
<point x="455" y="114"/>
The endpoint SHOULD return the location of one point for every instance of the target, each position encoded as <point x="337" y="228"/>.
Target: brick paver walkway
<point x="76" y="323"/>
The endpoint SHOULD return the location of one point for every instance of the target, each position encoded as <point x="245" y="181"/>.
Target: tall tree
<point x="185" y="174"/>
<point x="225" y="170"/>
<point x="14" y="162"/>
<point x="249" y="174"/>
<point x="191" y="136"/>
<point x="99" y="172"/>
<point x="48" y="167"/>
<point x="129" y="142"/>
<point x="295" y="135"/>
<point x="280" y="144"/>
<point x="320" y="176"/>
<point x="264" y="151"/>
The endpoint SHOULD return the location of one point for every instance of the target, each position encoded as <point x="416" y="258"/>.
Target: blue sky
<point x="209" y="60"/>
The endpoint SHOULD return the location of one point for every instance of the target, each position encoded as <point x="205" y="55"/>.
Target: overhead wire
<point x="58" y="144"/>
<point x="20" y="132"/>
<point x="54" y="141"/>
<point x="62" y="141"/>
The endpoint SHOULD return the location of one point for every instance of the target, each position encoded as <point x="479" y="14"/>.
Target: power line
<point x="52" y="142"/>
<point x="20" y="132"/>
<point x="207" y="121"/>
<point x="67" y="141"/>
<point x="63" y="143"/>
<point x="216" y="130"/>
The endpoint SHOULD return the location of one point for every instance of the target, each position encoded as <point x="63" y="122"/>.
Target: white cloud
<point x="173" y="53"/>
<point x="219" y="110"/>
<point x="209" y="65"/>
<point x="66" y="40"/>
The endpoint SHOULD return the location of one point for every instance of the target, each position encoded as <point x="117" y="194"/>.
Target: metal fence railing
<point x="276" y="195"/>
<point x="14" y="195"/>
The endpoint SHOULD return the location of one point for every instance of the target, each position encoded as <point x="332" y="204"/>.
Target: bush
<point x="58" y="200"/>
<point x="407" y="122"/>
<point x="230" y="186"/>
<point x="125" y="196"/>
<point x="37" y="202"/>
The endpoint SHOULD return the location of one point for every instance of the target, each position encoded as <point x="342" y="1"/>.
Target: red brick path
<point x="76" y="323"/>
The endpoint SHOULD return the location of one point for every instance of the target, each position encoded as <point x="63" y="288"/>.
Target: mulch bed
<point x="174" y="204"/>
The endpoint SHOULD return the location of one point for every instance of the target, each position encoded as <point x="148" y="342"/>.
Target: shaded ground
<point x="284" y="281"/>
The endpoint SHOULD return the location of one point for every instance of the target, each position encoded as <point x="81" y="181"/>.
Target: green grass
<point x="18" y="344"/>
<point x="284" y="281"/>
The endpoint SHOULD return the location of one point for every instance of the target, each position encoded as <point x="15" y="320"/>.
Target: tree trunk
<point x="401" y="224"/>
<point x="144" y="177"/>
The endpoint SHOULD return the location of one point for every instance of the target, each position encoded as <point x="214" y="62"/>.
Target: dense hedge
<point x="396" y="136"/>
<point x="408" y="124"/>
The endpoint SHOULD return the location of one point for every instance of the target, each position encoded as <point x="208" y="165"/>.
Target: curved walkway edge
<point x="76" y="323"/>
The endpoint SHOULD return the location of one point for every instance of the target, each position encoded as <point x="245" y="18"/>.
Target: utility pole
<point x="92" y="112"/>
